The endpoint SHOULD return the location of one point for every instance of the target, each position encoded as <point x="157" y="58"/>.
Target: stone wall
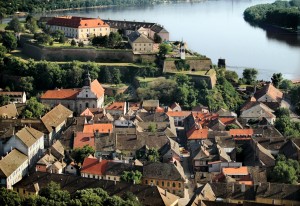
<point x="195" y="65"/>
<point x="81" y="54"/>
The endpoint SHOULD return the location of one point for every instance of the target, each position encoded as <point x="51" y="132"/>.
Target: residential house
<point x="57" y="150"/>
<point x="72" y="168"/>
<point x="226" y="113"/>
<point x="263" y="155"/>
<point x="291" y="149"/>
<point x="9" y="111"/>
<point x="49" y="163"/>
<point x="170" y="151"/>
<point x="15" y="97"/>
<point x="124" y="121"/>
<point x="117" y="108"/>
<point x="175" y="107"/>
<point x="77" y="100"/>
<point x="168" y="176"/>
<point x="219" y="124"/>
<point x="98" y="128"/>
<point x="272" y="144"/>
<point x="81" y="139"/>
<point x="150" y="105"/>
<point x="140" y="43"/>
<point x="160" y="31"/>
<point x="81" y="28"/>
<point x="241" y="134"/>
<point x="240" y="174"/>
<point x="97" y="115"/>
<point x="147" y="195"/>
<point x="178" y="116"/>
<point x="55" y="121"/>
<point x="29" y="141"/>
<point x="93" y="167"/>
<point x="13" y="167"/>
<point x="257" y="111"/>
<point x="270" y="96"/>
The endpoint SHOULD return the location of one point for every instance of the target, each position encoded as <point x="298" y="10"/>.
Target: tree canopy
<point x="80" y="153"/>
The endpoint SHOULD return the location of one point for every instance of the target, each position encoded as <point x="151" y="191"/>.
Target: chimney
<point x="243" y="187"/>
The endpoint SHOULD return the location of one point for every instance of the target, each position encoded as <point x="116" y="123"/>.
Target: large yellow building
<point x="79" y="27"/>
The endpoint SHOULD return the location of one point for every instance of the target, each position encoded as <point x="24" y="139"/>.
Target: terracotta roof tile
<point x="77" y="22"/>
<point x="241" y="132"/>
<point x="178" y="114"/>
<point x="226" y="121"/>
<point x="97" y="88"/>
<point x="102" y="128"/>
<point x="235" y="171"/>
<point x="61" y="94"/>
<point x="197" y="133"/>
<point x="81" y="139"/>
<point x="92" y="165"/>
<point x="87" y="113"/>
<point x="116" y="106"/>
<point x="270" y="90"/>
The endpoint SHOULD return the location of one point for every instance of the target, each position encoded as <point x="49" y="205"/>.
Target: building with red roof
<point x="84" y="138"/>
<point x="93" y="167"/>
<point x="101" y="128"/>
<point x="78" y="27"/>
<point x="117" y="108"/>
<point x="77" y="100"/>
<point x="241" y="134"/>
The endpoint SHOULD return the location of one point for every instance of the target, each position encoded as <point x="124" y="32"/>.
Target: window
<point x="86" y="95"/>
<point x="168" y="184"/>
<point x="163" y="183"/>
<point x="146" y="181"/>
<point x="174" y="185"/>
<point x="179" y="185"/>
<point x="157" y="183"/>
<point x="87" y="105"/>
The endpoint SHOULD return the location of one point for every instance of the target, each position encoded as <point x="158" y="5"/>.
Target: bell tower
<point x="87" y="79"/>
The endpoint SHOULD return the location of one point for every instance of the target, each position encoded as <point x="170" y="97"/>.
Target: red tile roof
<point x="81" y="139"/>
<point x="235" y="171"/>
<point x="195" y="133"/>
<point x="116" y="106"/>
<point x="77" y="22"/>
<point x="178" y="114"/>
<point x="226" y="121"/>
<point x="61" y="94"/>
<point x="241" y="132"/>
<point x="92" y="165"/>
<point x="97" y="88"/>
<point x="203" y="119"/>
<point x="159" y="109"/>
<point x="102" y="128"/>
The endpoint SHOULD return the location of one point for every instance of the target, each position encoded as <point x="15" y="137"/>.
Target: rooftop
<point x="11" y="162"/>
<point x="77" y="22"/>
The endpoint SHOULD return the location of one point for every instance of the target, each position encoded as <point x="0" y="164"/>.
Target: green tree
<point x="9" y="197"/>
<point x="106" y="75"/>
<point x="42" y="38"/>
<point x="164" y="49"/>
<point x="54" y="192"/>
<point x="62" y="39"/>
<point x="132" y="176"/>
<point x="116" y="76"/>
<point x="286" y="84"/>
<point x="4" y="100"/>
<point x="31" y="25"/>
<point x="153" y="155"/>
<point x="231" y="126"/>
<point x="281" y="112"/>
<point x="57" y="35"/>
<point x="250" y="75"/>
<point x="26" y="84"/>
<point x="73" y="42"/>
<point x="74" y="74"/>
<point x="34" y="109"/>
<point x="114" y="40"/>
<point x="15" y="25"/>
<point x="285" y="171"/>
<point x="80" y="44"/>
<point x="152" y="127"/>
<point x="80" y="153"/>
<point x="9" y="40"/>
<point x="93" y="68"/>
<point x="231" y="76"/>
<point x="276" y="79"/>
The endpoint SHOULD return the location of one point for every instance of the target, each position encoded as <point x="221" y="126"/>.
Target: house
<point x="13" y="167"/>
<point x="175" y="107"/>
<point x="140" y="43"/>
<point x="81" y="28"/>
<point x="93" y="167"/>
<point x="117" y="108"/>
<point x="57" y="150"/>
<point x="238" y="173"/>
<point x="55" y="121"/>
<point x="77" y="100"/>
<point x="270" y="96"/>
<point x="170" y="151"/>
<point x="8" y="111"/>
<point x="49" y="163"/>
<point x="147" y="195"/>
<point x="150" y="105"/>
<point x="263" y="155"/>
<point x="29" y="141"/>
<point x="226" y="113"/>
<point x="178" y="116"/>
<point x="160" y="31"/>
<point x="72" y="168"/>
<point x="241" y="134"/>
<point x="84" y="138"/>
<point x="219" y="124"/>
<point x="291" y="149"/>
<point x="124" y="121"/>
<point x="258" y="111"/>
<point x="97" y="115"/>
<point x="15" y="97"/>
<point x="98" y="128"/>
<point x="168" y="176"/>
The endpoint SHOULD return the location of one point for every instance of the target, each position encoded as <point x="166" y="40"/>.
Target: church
<point x="91" y="95"/>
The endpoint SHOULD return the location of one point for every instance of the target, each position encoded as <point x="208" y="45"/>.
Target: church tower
<point x="87" y="79"/>
<point x="182" y="50"/>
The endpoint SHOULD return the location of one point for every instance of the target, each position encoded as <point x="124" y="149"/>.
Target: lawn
<point x="148" y="79"/>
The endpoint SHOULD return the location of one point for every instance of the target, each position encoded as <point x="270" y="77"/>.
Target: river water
<point x="216" y="28"/>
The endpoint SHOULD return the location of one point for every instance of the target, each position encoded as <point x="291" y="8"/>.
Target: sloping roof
<point x="87" y="112"/>
<point x="46" y="160"/>
<point x="258" y="110"/>
<point x="226" y="113"/>
<point x="271" y="91"/>
<point x="168" y="198"/>
<point x="92" y="165"/>
<point x="235" y="171"/>
<point x="8" y="111"/>
<point x="127" y="25"/>
<point x="55" y="117"/>
<point x="195" y="133"/>
<point x="11" y="162"/>
<point x="77" y="22"/>
<point x="117" y="168"/>
<point x="164" y="171"/>
<point x="279" y="191"/>
<point x="57" y="149"/>
<point x="146" y="194"/>
<point x="61" y="94"/>
<point x="11" y="94"/>
<point x="158" y="29"/>
<point x="241" y="132"/>
<point x="116" y="106"/>
<point x="29" y="136"/>
<point x="150" y="103"/>
<point x="97" y="88"/>
<point x="81" y="139"/>
<point x="101" y="128"/>
<point x="178" y="114"/>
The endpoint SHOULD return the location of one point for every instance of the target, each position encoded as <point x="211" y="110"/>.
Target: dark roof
<point x="258" y="174"/>
<point x="136" y="37"/>
<point x="146" y="194"/>
<point x="117" y="168"/>
<point x="163" y="171"/>
<point x="153" y="117"/>
<point x="291" y="149"/>
<point x="271" y="143"/>
<point x="158" y="29"/>
<point x="232" y="191"/>
<point x="127" y="25"/>
<point x="278" y="191"/>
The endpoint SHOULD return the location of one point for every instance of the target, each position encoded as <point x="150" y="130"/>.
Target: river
<point x="216" y="28"/>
